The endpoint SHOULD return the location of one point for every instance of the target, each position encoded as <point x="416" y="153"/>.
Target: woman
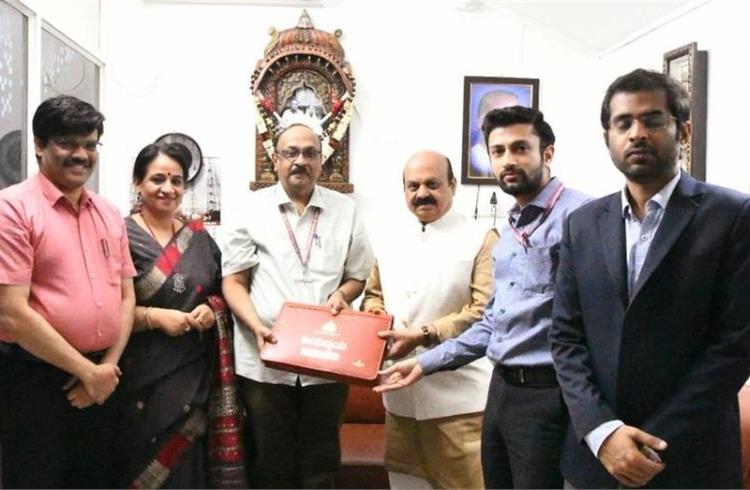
<point x="179" y="321"/>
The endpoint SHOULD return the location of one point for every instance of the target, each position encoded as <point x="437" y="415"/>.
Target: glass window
<point x="67" y="71"/>
<point x="13" y="95"/>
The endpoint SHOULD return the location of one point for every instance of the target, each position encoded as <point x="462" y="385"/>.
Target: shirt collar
<point x="281" y="198"/>
<point x="661" y="198"/>
<point x="541" y="199"/>
<point x="53" y="194"/>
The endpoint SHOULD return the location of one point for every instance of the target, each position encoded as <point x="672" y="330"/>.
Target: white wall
<point x="720" y="27"/>
<point x="186" y="67"/>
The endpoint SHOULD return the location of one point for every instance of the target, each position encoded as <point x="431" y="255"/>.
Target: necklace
<point x="178" y="280"/>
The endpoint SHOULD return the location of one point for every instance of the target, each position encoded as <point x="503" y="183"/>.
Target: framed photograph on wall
<point x="481" y="95"/>
<point x="689" y="67"/>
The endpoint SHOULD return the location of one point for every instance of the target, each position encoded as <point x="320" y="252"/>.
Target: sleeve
<point x="453" y="324"/>
<point x="588" y="410"/>
<point x="461" y="350"/>
<point x="238" y="252"/>
<point x="373" y="299"/>
<point x="128" y="269"/>
<point x="723" y="366"/>
<point x="16" y="250"/>
<point x="359" y="259"/>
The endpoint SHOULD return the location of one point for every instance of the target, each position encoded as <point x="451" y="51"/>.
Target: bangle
<point x="147" y="316"/>
<point x="426" y="336"/>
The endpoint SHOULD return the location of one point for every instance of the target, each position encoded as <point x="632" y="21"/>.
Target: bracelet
<point x="147" y="316"/>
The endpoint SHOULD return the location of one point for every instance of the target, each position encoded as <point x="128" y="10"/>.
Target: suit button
<point x="139" y="405"/>
<point x="186" y="408"/>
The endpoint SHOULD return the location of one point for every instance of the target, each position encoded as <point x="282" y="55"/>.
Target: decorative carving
<point x="304" y="78"/>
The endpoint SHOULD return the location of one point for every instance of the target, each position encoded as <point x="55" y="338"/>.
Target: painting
<point x="689" y="66"/>
<point x="481" y="95"/>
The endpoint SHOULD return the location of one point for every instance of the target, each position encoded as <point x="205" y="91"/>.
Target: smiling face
<point x="69" y="160"/>
<point x="428" y="192"/>
<point x="643" y="138"/>
<point x="521" y="169"/>
<point x="162" y="187"/>
<point x="297" y="161"/>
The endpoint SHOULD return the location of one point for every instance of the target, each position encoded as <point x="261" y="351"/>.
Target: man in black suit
<point x="651" y="333"/>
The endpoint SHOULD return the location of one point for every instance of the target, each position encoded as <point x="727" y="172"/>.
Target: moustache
<point x="422" y="201"/>
<point x="298" y="169"/>
<point x="640" y="147"/>
<point x="73" y="162"/>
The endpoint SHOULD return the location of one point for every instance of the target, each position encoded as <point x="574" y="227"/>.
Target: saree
<point x="180" y="420"/>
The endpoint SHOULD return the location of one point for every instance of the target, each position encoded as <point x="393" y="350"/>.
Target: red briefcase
<point x="312" y="341"/>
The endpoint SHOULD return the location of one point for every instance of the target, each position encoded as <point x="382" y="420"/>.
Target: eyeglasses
<point x="71" y="144"/>
<point x="291" y="153"/>
<point x="652" y="122"/>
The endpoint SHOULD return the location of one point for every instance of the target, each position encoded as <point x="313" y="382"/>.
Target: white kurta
<point x="426" y="275"/>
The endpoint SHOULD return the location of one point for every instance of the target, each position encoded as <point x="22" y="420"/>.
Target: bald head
<point x="497" y="99"/>
<point x="429" y="185"/>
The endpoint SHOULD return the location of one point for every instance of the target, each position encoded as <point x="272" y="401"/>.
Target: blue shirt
<point x="513" y="329"/>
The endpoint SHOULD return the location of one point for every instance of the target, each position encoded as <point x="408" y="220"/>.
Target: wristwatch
<point x="426" y="336"/>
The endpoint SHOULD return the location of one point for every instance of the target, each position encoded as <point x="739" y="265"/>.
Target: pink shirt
<point x="73" y="261"/>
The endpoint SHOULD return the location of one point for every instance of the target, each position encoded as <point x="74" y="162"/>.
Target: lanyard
<point x="523" y="237"/>
<point x="292" y="238"/>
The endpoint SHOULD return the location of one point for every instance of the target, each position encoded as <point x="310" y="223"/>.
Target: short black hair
<point x="508" y="116"/>
<point x="176" y="151"/>
<point x="640" y="80"/>
<point x="66" y="115"/>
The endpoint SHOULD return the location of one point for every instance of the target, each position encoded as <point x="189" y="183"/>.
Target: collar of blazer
<point x="680" y="209"/>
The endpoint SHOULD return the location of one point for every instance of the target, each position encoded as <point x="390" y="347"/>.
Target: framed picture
<point x="481" y="95"/>
<point x="689" y="67"/>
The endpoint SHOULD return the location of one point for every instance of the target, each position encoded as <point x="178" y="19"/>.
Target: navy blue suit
<point x="671" y="360"/>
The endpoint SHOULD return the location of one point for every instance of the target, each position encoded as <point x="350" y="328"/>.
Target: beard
<point x="649" y="164"/>
<point x="524" y="184"/>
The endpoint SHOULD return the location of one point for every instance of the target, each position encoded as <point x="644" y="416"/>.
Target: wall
<point x="720" y="27"/>
<point x="187" y="68"/>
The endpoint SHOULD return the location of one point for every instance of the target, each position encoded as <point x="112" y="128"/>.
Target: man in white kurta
<point x="298" y="242"/>
<point x="434" y="275"/>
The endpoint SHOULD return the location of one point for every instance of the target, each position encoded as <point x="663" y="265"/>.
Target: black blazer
<point x="671" y="360"/>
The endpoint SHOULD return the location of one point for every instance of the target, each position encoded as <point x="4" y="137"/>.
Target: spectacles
<point x="652" y="122"/>
<point x="71" y="144"/>
<point x="291" y="153"/>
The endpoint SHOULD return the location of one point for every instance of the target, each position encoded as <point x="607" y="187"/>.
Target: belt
<point x="528" y="375"/>
<point x="18" y="352"/>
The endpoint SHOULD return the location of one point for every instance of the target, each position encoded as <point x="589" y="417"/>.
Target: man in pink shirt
<point x="66" y="309"/>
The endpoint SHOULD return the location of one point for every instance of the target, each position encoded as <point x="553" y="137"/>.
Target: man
<point x="66" y="309"/>
<point x="435" y="287"/>
<point x="479" y="160"/>
<point x="303" y="243"/>
<point x="650" y="336"/>
<point x="525" y="419"/>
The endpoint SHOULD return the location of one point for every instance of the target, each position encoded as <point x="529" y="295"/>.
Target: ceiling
<point x="600" y="26"/>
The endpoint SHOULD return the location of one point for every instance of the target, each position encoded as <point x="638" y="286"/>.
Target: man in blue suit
<point x="651" y="332"/>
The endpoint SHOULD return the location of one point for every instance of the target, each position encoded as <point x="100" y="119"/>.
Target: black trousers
<point x="522" y="435"/>
<point x="46" y="442"/>
<point x="292" y="433"/>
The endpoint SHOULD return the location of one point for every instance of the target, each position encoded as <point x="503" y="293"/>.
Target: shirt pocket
<point x="113" y="256"/>
<point x="539" y="268"/>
